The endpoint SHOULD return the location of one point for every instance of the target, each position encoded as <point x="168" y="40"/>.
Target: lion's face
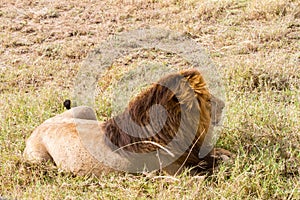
<point x="217" y="106"/>
<point x="210" y="106"/>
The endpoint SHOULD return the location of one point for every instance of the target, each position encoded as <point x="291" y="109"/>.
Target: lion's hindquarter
<point x="59" y="140"/>
<point x="35" y="150"/>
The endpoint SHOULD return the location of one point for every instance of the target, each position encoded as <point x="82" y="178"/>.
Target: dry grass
<point x="44" y="42"/>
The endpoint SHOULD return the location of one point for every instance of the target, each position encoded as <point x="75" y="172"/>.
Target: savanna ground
<point x="44" y="42"/>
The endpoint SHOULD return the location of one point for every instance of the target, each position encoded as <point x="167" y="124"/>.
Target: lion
<point x="163" y="128"/>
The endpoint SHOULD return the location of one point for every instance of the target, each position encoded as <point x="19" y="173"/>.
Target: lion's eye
<point x="209" y="103"/>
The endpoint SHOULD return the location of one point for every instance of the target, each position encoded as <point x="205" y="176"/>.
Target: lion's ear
<point x="197" y="83"/>
<point x="195" y="79"/>
<point x="190" y="73"/>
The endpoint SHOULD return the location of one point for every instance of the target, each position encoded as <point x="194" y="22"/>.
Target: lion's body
<point x="77" y="142"/>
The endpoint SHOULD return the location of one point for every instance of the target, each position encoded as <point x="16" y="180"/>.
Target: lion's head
<point x="185" y="111"/>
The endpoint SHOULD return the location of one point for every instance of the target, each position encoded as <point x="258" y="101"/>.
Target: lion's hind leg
<point x="35" y="154"/>
<point x="35" y="151"/>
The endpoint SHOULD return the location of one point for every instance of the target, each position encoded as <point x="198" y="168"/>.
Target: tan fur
<point x="76" y="142"/>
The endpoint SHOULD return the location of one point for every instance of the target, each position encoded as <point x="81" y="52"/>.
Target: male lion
<point x="166" y="127"/>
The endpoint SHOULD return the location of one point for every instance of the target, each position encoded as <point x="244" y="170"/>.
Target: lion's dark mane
<point x="173" y="102"/>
